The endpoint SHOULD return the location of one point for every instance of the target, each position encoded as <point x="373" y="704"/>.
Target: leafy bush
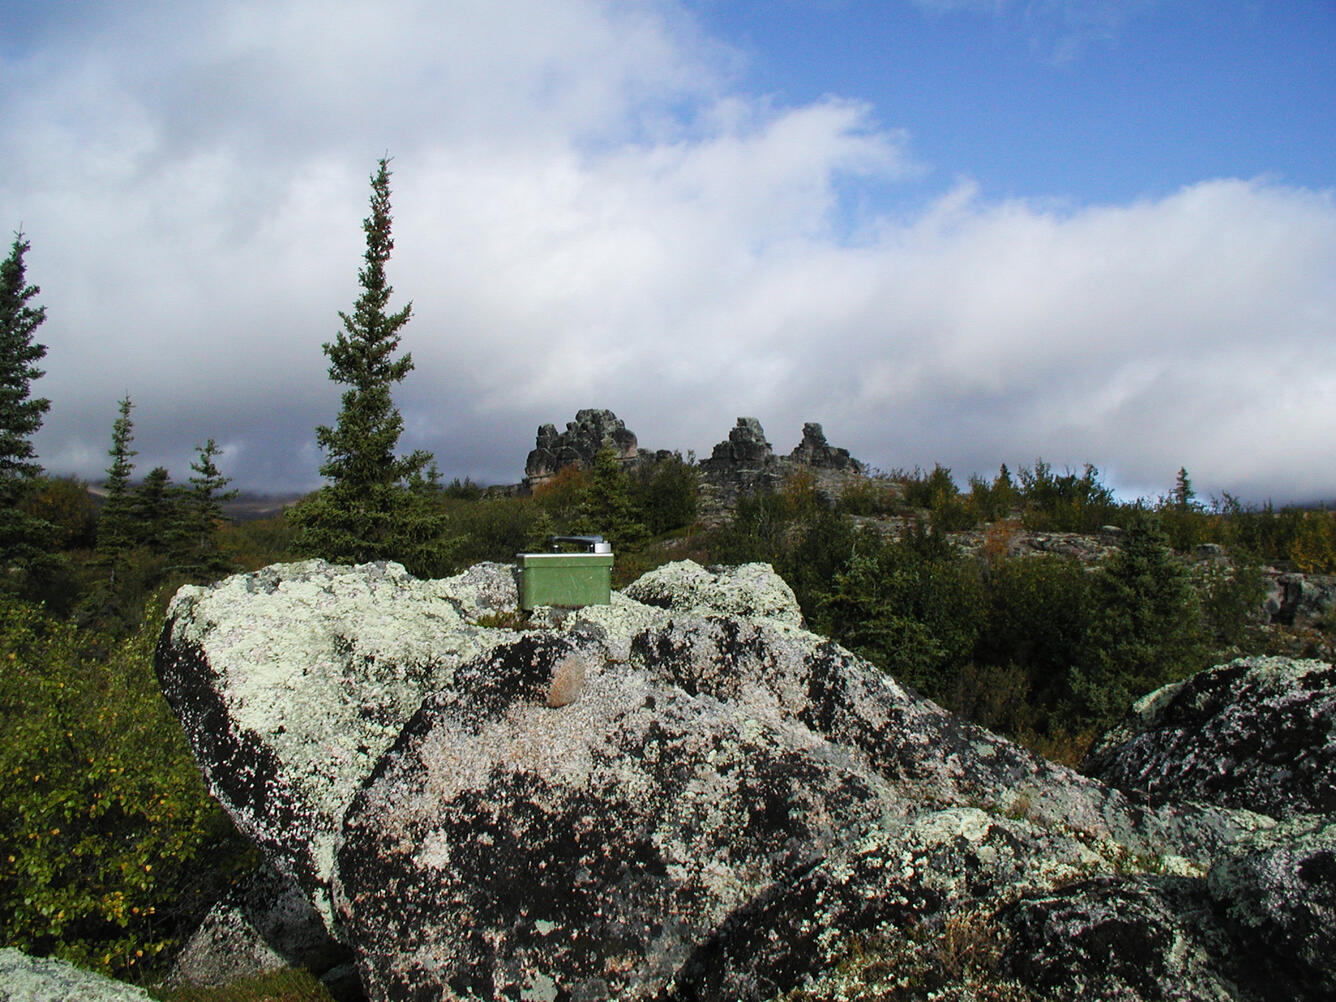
<point x="871" y="495"/>
<point x="1039" y="614"/>
<point x="1065" y="502"/>
<point x="495" y="528"/>
<point x="110" y="848"/>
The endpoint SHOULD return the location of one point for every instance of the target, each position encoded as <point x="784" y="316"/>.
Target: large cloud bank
<point x="591" y="211"/>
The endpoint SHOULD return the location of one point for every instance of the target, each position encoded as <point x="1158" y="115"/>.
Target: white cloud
<point x="587" y="214"/>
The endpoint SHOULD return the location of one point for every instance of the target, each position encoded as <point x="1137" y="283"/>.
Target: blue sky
<point x="1093" y="102"/>
<point x="956" y="231"/>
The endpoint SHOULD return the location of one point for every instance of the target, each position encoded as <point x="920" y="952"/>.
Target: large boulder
<point x="684" y="795"/>
<point x="1278" y="888"/>
<point x="1257" y="733"/>
<point x="292" y="681"/>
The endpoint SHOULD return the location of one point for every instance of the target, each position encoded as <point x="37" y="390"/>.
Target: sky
<point x="966" y="232"/>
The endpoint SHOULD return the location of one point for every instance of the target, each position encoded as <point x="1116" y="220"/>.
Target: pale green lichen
<point x="42" y="979"/>
<point x="323" y="665"/>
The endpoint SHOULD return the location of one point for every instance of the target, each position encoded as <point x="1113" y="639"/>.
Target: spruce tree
<point x="115" y="524"/>
<point x="204" y="511"/>
<point x="23" y="537"/>
<point x="157" y="508"/>
<point x="367" y="509"/>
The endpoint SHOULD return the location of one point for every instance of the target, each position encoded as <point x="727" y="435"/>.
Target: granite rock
<point x="685" y="795"/>
<point x="44" y="979"/>
<point x="1257" y="733"/>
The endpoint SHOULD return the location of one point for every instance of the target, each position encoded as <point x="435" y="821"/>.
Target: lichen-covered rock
<point x="265" y="924"/>
<point x="1279" y="889"/>
<point x="684" y="795"/>
<point x="922" y="875"/>
<point x="291" y="682"/>
<point x="1303" y="600"/>
<point x="505" y="849"/>
<point x="1257" y="733"/>
<point x="1111" y="938"/>
<point x="749" y="590"/>
<point x="707" y="820"/>
<point x="42" y="979"/>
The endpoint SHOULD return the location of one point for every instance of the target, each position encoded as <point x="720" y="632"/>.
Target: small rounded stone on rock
<point x="568" y="676"/>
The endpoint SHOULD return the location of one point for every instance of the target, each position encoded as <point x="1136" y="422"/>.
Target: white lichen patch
<point x="45" y="979"/>
<point x="322" y="665"/>
<point x="753" y="591"/>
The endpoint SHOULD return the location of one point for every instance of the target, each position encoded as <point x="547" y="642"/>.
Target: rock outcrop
<point x="816" y="452"/>
<point x="591" y="431"/>
<point x="684" y="795"/>
<point x="744" y="451"/>
<point x="746" y="463"/>
<point x="1303" y="600"/>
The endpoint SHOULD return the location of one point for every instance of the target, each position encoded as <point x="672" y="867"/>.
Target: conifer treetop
<point x="20" y="413"/>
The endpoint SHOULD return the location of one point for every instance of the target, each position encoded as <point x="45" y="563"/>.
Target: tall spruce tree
<point x="204" y="511"/>
<point x="23" y="537"/>
<point x="115" y="524"/>
<point x="367" y="509"/>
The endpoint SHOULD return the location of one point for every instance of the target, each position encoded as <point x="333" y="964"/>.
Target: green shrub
<point x="912" y="606"/>
<point x="1149" y="628"/>
<point x="110" y="848"/>
<point x="496" y="528"/>
<point x="666" y="493"/>
<point x="1039" y="614"/>
<point x="1065" y="502"/>
<point x="871" y="495"/>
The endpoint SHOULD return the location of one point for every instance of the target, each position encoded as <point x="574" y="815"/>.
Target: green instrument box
<point x="565" y="579"/>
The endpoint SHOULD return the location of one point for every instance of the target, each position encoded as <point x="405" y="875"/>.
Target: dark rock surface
<point x="684" y="795"/>
<point x="1303" y="599"/>
<point x="816" y="452"/>
<point x="265" y="924"/>
<point x="591" y="431"/>
<point x="745" y="449"/>
<point x="1257" y="733"/>
<point x="746" y="463"/>
<point x="1278" y="888"/>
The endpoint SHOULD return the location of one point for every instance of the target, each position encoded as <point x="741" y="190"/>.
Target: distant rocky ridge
<point x="591" y="431"/>
<point x="742" y="463"/>
<point x="685" y="795"/>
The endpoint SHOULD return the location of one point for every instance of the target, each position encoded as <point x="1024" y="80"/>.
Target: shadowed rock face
<point x="591" y="431"/>
<point x="1258" y="733"/>
<point x="815" y="451"/>
<point x="686" y="795"/>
